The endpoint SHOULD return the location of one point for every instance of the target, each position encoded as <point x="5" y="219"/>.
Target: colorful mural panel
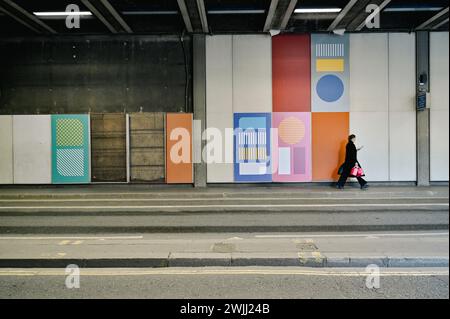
<point x="70" y="149"/>
<point x="330" y="133"/>
<point x="252" y="149"/>
<point x="330" y="73"/>
<point x="291" y="71"/>
<point x="292" y="147"/>
<point x="179" y="166"/>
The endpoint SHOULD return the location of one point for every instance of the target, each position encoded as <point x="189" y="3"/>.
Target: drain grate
<point x="223" y="248"/>
<point x="305" y="247"/>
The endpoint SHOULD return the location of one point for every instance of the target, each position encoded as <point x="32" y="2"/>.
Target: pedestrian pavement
<point x="384" y="249"/>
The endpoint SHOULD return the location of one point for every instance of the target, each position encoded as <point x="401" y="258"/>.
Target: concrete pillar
<point x="199" y="86"/>
<point x="423" y="117"/>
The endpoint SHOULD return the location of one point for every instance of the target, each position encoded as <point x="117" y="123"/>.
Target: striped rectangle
<point x="330" y="65"/>
<point x="330" y="50"/>
<point x="70" y="162"/>
<point x="252" y="147"/>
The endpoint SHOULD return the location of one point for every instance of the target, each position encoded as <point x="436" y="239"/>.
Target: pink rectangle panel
<point x="291" y="147"/>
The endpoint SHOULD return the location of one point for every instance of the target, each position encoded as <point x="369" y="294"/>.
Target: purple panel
<point x="299" y="160"/>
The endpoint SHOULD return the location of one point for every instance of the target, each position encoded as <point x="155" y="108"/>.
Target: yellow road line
<point x="218" y="199"/>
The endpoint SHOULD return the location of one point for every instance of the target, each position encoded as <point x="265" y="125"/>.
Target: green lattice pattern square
<point x="69" y="132"/>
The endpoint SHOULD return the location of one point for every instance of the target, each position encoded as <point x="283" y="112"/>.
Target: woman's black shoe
<point x="365" y="186"/>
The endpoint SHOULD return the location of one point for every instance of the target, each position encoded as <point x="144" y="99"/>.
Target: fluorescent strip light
<point x="62" y="14"/>
<point x="236" y="11"/>
<point x="413" y="9"/>
<point x="143" y="13"/>
<point x="318" y="10"/>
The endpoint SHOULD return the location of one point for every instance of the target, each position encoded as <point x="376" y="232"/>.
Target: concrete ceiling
<point x="17" y="17"/>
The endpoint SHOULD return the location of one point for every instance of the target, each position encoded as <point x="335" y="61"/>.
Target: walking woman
<point x="351" y="160"/>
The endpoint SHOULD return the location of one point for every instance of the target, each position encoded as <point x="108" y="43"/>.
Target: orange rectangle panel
<point x="179" y="167"/>
<point x="330" y="133"/>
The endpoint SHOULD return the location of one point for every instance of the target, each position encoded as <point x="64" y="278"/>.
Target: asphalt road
<point x="207" y="283"/>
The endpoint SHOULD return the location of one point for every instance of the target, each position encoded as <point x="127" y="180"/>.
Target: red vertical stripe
<point x="291" y="71"/>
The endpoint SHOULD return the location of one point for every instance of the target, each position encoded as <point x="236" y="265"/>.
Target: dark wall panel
<point x="108" y="148"/>
<point x="95" y="74"/>
<point x="147" y="154"/>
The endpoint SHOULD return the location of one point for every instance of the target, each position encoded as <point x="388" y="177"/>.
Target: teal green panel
<point x="70" y="149"/>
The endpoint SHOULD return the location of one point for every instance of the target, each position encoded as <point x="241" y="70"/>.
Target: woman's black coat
<point x="351" y="157"/>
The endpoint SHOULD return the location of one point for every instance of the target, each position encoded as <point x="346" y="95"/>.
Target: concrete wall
<point x="32" y="149"/>
<point x="6" y="150"/>
<point x="238" y="80"/>
<point x="382" y="92"/>
<point x="382" y="98"/>
<point x="75" y="75"/>
<point x="219" y="101"/>
<point x="252" y="73"/>
<point x="402" y="110"/>
<point x="369" y="102"/>
<point x="439" y="113"/>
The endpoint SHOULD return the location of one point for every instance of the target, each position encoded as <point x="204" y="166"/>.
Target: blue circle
<point x="330" y="88"/>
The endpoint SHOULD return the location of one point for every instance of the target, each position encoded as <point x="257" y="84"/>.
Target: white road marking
<point x="354" y="235"/>
<point x="72" y="238"/>
<point x="62" y="208"/>
<point x="215" y="272"/>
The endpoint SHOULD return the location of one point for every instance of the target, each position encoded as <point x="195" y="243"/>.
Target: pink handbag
<point x="360" y="172"/>
<point x="354" y="171"/>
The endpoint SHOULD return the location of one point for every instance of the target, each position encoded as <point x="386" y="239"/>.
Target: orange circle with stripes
<point x="291" y="130"/>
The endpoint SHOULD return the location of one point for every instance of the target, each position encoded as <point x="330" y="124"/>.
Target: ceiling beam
<point x="116" y="16"/>
<point x="381" y="7"/>
<point x="341" y="15"/>
<point x="440" y="24"/>
<point x="288" y="14"/>
<point x="432" y="19"/>
<point x="100" y="16"/>
<point x="203" y="16"/>
<point x="21" y="21"/>
<point x="270" y="15"/>
<point x="24" y="17"/>
<point x="185" y="15"/>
